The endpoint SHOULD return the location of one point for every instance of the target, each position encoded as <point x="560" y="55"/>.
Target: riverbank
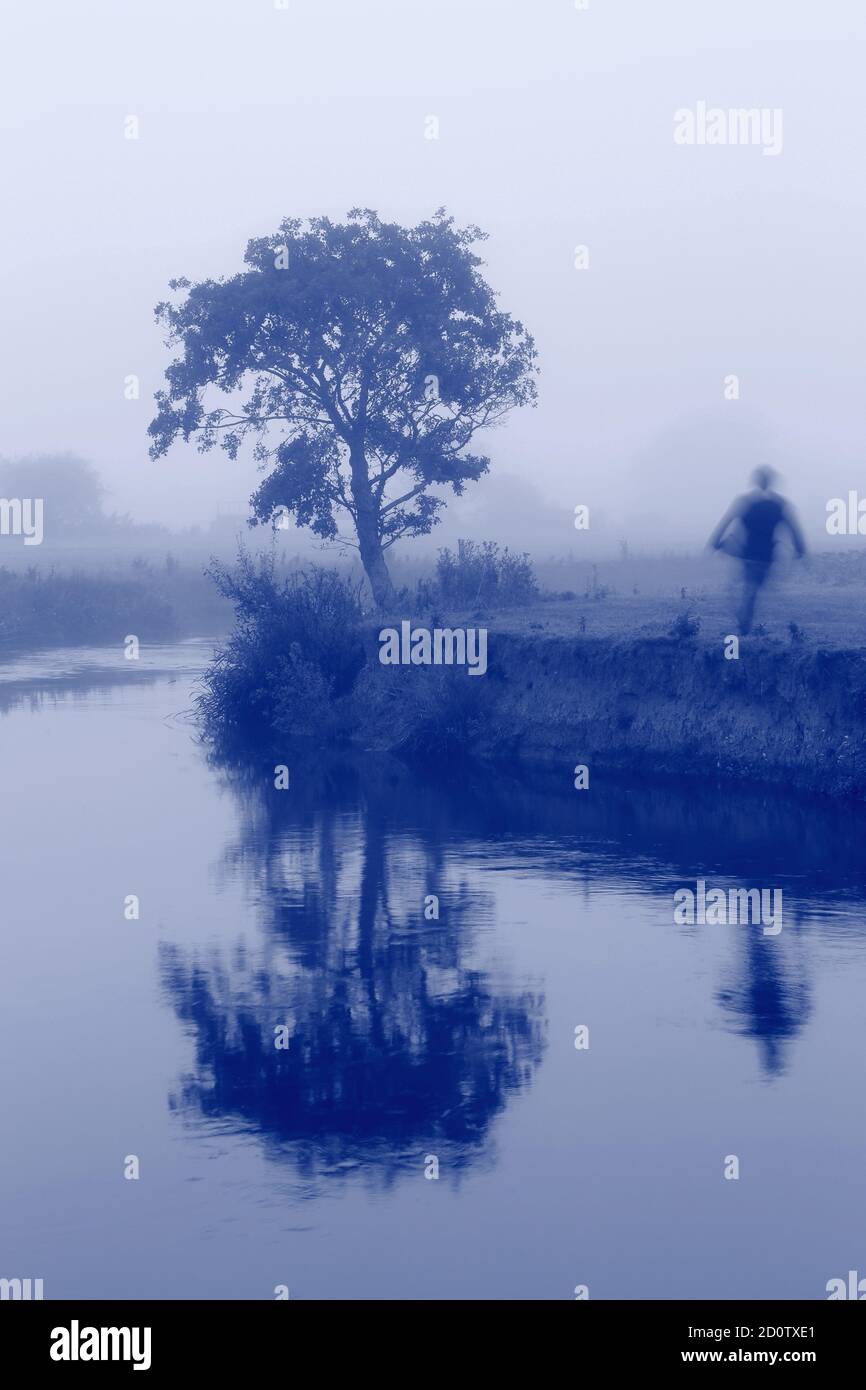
<point x="777" y="715"/>
<point x="650" y="692"/>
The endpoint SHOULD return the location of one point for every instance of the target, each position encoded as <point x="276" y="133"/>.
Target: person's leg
<point x="746" y="611"/>
<point x="755" y="573"/>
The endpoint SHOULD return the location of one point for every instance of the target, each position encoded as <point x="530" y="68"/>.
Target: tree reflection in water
<point x="403" y="1038"/>
<point x="400" y="1043"/>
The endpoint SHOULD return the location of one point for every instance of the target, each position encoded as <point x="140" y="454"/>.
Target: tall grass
<point x="156" y="602"/>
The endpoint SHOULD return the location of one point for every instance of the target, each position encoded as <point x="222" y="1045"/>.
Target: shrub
<point x="684" y="627"/>
<point x="484" y="574"/>
<point x="294" y="654"/>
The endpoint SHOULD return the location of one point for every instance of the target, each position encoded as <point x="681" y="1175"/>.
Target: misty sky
<point x="556" y="129"/>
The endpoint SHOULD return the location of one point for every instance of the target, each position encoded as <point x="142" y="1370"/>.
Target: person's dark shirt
<point x="760" y="514"/>
<point x="761" y="517"/>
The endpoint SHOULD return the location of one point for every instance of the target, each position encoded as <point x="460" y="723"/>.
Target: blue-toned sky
<point x="555" y="129"/>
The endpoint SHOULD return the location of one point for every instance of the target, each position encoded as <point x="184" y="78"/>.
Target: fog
<point x="555" y="130"/>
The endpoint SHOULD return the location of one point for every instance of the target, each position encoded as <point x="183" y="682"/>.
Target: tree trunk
<point x="377" y="573"/>
<point x="369" y="542"/>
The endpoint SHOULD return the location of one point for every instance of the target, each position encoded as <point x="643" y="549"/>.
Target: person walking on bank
<point x="756" y="518"/>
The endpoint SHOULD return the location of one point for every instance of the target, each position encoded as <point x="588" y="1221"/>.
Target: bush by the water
<point x="302" y="664"/>
<point x="294" y="655"/>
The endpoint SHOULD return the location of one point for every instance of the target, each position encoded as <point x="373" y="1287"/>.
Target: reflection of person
<point x="770" y="1000"/>
<point x="758" y="515"/>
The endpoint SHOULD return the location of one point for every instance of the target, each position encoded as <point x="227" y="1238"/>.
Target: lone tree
<point x="361" y="358"/>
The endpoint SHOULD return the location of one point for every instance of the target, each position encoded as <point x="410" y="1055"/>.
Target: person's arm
<point x="793" y="525"/>
<point x="734" y="510"/>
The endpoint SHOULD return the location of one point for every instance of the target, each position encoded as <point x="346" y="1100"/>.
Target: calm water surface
<point x="408" y="1038"/>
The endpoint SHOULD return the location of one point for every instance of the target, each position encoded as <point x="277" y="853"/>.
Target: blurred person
<point x="749" y="531"/>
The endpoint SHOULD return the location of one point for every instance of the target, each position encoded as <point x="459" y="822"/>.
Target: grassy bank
<point x="788" y="715"/>
<point x="637" y="685"/>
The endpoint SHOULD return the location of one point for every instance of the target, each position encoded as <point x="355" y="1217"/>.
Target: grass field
<point x="827" y="618"/>
<point x="824" y="600"/>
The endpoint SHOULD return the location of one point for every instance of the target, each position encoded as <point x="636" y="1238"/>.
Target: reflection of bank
<point x="768" y="997"/>
<point x="396" y="1043"/>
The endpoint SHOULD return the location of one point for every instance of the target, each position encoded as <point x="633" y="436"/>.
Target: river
<point x="427" y="952"/>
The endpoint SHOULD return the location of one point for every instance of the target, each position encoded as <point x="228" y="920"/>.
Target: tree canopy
<point x="359" y="359"/>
